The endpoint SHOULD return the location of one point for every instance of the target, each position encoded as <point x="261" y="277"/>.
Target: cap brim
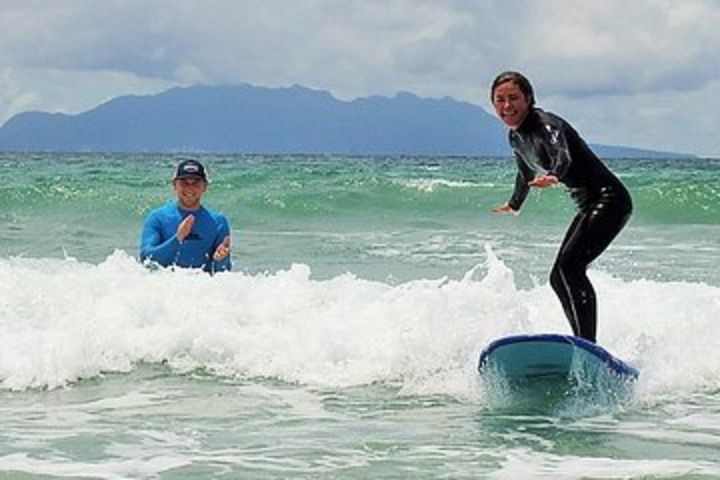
<point x="190" y="175"/>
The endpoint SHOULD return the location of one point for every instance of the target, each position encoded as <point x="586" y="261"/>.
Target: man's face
<point x="189" y="191"/>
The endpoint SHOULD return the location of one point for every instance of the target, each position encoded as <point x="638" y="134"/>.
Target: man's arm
<point x="221" y="258"/>
<point x="153" y="248"/>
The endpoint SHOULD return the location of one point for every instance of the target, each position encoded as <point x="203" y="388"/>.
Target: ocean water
<point x="345" y="342"/>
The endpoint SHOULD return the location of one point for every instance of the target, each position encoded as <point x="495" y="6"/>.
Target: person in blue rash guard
<point x="549" y="151"/>
<point x="183" y="232"/>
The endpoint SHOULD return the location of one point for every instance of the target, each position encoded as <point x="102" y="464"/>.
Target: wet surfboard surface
<point x="521" y="358"/>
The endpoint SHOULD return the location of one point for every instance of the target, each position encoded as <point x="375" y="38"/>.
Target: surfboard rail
<point x="577" y="344"/>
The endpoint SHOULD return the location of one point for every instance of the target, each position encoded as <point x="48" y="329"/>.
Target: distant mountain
<point x="614" y="151"/>
<point x="253" y="119"/>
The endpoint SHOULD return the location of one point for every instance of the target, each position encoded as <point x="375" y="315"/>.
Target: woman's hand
<point x="504" y="208"/>
<point x="544" y="181"/>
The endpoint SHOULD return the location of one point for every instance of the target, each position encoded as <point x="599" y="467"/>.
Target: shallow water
<point x="345" y="343"/>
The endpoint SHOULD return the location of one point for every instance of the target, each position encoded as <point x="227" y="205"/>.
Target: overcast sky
<point x="642" y="73"/>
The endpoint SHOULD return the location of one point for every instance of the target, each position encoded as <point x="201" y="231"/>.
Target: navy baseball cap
<point x="190" y="168"/>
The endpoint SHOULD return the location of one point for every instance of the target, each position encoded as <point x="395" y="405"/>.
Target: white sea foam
<point x="429" y="185"/>
<point x="109" y="469"/>
<point x="63" y="320"/>
<point x="528" y="464"/>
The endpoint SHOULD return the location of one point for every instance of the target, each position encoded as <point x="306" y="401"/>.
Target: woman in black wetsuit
<point x="549" y="151"/>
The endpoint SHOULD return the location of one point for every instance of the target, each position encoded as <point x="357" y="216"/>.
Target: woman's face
<point x="511" y="104"/>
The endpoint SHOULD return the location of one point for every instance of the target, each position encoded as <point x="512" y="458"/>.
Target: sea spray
<point x="62" y="321"/>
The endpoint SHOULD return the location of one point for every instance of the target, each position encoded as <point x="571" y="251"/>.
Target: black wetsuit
<point x="545" y="143"/>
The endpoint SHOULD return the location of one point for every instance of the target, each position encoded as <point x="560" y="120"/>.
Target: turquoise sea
<point x="345" y="342"/>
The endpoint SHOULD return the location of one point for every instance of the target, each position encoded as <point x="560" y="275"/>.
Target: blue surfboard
<point x="523" y="358"/>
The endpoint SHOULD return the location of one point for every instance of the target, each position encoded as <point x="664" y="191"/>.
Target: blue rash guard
<point x="159" y="242"/>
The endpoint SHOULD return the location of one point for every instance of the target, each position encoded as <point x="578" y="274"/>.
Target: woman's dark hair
<point x="518" y="79"/>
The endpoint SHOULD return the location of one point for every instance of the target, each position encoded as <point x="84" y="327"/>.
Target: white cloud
<point x="50" y="90"/>
<point x="627" y="70"/>
<point x="667" y="120"/>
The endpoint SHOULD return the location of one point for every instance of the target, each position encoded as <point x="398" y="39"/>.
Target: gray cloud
<point x="582" y="55"/>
